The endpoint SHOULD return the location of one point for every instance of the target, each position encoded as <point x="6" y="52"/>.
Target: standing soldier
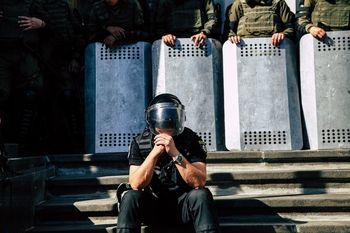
<point x="318" y="16"/>
<point x="19" y="65"/>
<point x="61" y="49"/>
<point x="186" y="18"/>
<point x="260" y="18"/>
<point x="116" y="21"/>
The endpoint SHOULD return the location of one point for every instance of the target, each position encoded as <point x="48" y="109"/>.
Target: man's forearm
<point x="193" y="175"/>
<point x="142" y="175"/>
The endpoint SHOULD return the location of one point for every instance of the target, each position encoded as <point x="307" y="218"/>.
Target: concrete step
<point x="340" y="155"/>
<point x="283" y="191"/>
<point x="77" y="207"/>
<point x="280" y="217"/>
<point x="247" y="225"/>
<point x="225" y="180"/>
<point x="28" y="164"/>
<point x="110" y="170"/>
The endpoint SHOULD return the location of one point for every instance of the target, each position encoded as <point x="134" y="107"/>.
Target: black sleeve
<point x="134" y="155"/>
<point x="198" y="150"/>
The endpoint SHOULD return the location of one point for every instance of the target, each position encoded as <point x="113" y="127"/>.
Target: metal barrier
<point x="116" y="84"/>
<point x="262" y="108"/>
<point x="325" y="89"/>
<point x="195" y="76"/>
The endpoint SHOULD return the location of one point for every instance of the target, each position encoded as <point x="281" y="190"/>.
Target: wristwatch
<point x="179" y="159"/>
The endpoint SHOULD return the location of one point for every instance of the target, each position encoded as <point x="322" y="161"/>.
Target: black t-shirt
<point x="166" y="179"/>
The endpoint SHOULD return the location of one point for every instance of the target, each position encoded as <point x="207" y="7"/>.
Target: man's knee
<point x="132" y="196"/>
<point x="202" y="195"/>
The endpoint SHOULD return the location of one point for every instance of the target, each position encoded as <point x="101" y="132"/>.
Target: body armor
<point x="185" y="15"/>
<point x="168" y="180"/>
<point x="59" y="15"/>
<point x="118" y="16"/>
<point x="332" y="14"/>
<point x="260" y="20"/>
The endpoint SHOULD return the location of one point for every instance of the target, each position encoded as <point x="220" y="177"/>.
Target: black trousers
<point x="195" y="208"/>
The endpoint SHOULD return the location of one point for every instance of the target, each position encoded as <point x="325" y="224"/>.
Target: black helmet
<point x="165" y="111"/>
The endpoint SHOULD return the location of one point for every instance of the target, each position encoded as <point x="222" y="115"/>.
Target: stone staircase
<point x="280" y="192"/>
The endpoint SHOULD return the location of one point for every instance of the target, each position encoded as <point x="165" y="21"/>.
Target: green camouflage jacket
<point x="184" y="18"/>
<point x="327" y="14"/>
<point x="263" y="19"/>
<point x="127" y="14"/>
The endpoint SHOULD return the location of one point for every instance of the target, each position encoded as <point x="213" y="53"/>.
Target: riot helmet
<point x="165" y="111"/>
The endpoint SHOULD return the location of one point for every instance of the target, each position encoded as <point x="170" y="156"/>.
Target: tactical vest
<point x="144" y="142"/>
<point x="332" y="14"/>
<point x="118" y="16"/>
<point x="186" y="17"/>
<point x="261" y="20"/>
<point x="60" y="20"/>
<point x="10" y="32"/>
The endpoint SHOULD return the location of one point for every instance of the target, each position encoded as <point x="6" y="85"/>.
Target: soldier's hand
<point x="169" y="39"/>
<point x="277" y="38"/>
<point x="109" y="41"/>
<point x="199" y="39"/>
<point x="28" y="23"/>
<point x="118" y="32"/>
<point x="317" y="32"/>
<point x="235" y="39"/>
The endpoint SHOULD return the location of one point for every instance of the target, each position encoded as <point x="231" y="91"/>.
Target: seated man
<point x="260" y="18"/>
<point x="190" y="18"/>
<point x="318" y="16"/>
<point x="167" y="174"/>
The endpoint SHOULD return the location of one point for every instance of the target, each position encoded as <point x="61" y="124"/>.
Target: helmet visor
<point x="166" y="116"/>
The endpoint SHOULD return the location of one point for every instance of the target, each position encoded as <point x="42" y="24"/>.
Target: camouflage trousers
<point x="19" y="71"/>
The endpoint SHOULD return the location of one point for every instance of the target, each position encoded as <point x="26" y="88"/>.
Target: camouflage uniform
<point x="326" y="14"/>
<point x="127" y="14"/>
<point x="61" y="45"/>
<point x="263" y="19"/>
<point x="19" y="66"/>
<point x="81" y="12"/>
<point x="184" y="18"/>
